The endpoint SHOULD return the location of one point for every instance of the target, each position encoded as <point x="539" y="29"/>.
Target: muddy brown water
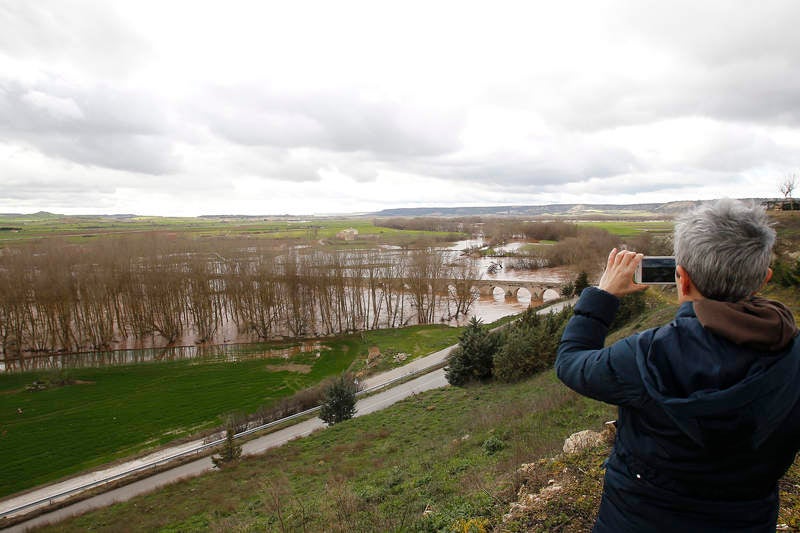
<point x="229" y="344"/>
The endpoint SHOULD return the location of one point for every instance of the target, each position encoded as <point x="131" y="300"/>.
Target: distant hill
<point x="560" y="210"/>
<point x="46" y="215"/>
<point x="550" y="210"/>
<point x="531" y="210"/>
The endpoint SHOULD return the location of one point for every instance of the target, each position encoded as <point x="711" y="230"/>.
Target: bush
<point x="785" y="274"/>
<point x="340" y="400"/>
<point x="530" y="345"/>
<point x="515" y="358"/>
<point x="473" y="358"/>
<point x="492" y="445"/>
<point x="567" y="289"/>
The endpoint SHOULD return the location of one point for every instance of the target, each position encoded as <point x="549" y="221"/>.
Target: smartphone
<point x="656" y="270"/>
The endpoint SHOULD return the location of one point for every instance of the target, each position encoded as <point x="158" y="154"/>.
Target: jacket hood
<point x="756" y="322"/>
<point x="730" y="383"/>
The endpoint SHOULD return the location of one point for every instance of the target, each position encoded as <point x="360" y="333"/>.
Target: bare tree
<point x="426" y="278"/>
<point x="788" y="186"/>
<point x="462" y="292"/>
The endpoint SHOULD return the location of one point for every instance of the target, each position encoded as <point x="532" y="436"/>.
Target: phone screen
<point x="658" y="270"/>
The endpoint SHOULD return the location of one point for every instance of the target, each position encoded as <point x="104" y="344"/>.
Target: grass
<point x="114" y="412"/>
<point x="412" y="341"/>
<point x="452" y="452"/>
<point x="631" y="228"/>
<point x="532" y="247"/>
<point x="20" y="228"/>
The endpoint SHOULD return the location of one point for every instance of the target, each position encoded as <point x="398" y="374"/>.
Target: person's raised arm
<point x="583" y="364"/>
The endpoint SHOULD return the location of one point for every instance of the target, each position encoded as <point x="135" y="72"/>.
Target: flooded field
<point x="228" y="342"/>
<point x="207" y="353"/>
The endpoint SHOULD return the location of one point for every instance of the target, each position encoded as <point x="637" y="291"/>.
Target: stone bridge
<point x="510" y="288"/>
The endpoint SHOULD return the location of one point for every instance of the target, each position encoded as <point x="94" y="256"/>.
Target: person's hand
<point x="618" y="276"/>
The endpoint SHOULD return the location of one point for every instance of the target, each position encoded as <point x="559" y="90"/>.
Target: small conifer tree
<point x="581" y="282"/>
<point x="340" y="400"/>
<point x="567" y="289"/>
<point x="472" y="359"/>
<point x="229" y="452"/>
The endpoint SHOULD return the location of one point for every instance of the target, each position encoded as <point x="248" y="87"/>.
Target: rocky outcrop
<point x="590" y="439"/>
<point x="564" y="488"/>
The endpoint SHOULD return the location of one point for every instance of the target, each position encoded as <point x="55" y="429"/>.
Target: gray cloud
<point x="737" y="149"/>
<point x="298" y="164"/>
<point x="52" y="187"/>
<point x="75" y="33"/>
<point x="713" y="33"/>
<point x="334" y="120"/>
<point x="551" y="161"/>
<point x="722" y="60"/>
<point x="30" y="188"/>
<point x="99" y="125"/>
<point x="763" y="92"/>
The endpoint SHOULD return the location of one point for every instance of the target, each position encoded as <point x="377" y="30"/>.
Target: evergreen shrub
<point x="473" y="358"/>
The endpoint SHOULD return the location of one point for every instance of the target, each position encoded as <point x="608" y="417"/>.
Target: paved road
<point x="121" y="468"/>
<point x="365" y="406"/>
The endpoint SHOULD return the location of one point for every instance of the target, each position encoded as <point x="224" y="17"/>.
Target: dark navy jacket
<point x="705" y="429"/>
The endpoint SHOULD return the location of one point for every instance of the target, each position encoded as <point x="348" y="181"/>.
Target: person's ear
<point x="682" y="280"/>
<point x="766" y="279"/>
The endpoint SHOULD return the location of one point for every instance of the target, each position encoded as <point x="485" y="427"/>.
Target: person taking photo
<point x="709" y="410"/>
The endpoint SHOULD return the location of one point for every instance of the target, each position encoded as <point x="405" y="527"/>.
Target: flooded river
<point x="229" y="344"/>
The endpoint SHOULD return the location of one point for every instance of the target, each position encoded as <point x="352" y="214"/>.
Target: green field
<point x="20" y="228"/>
<point x="625" y="228"/>
<point x="115" y="412"/>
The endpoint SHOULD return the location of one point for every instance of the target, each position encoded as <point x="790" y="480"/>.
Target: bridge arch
<point x="550" y="294"/>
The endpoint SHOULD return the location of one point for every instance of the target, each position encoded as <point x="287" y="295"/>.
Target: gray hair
<point x="725" y="247"/>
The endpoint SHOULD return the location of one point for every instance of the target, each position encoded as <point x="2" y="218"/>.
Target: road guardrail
<point x="60" y="496"/>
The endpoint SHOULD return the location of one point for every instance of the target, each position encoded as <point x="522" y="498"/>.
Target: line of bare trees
<point x="162" y="289"/>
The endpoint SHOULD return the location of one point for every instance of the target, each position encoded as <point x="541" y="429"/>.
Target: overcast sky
<point x="189" y="108"/>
